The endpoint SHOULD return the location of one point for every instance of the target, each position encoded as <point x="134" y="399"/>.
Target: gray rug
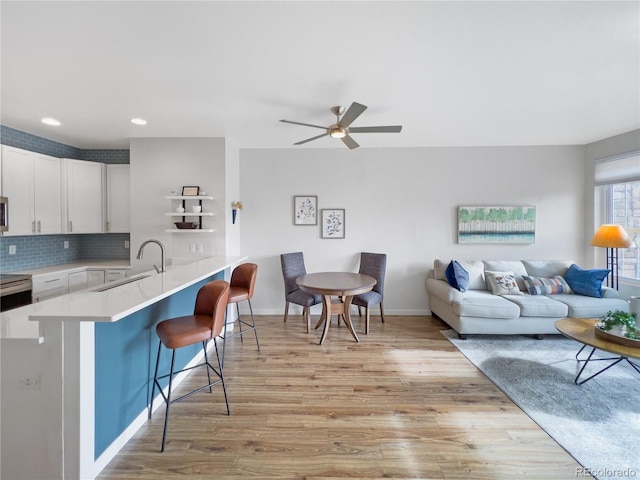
<point x="598" y="422"/>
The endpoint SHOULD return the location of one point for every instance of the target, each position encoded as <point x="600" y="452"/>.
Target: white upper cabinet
<point x="118" y="199"/>
<point x="32" y="183"/>
<point x="84" y="189"/>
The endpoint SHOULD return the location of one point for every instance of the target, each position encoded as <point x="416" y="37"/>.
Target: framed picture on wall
<point x="305" y="210"/>
<point x="333" y="223"/>
<point x="497" y="224"/>
<point x="190" y="191"/>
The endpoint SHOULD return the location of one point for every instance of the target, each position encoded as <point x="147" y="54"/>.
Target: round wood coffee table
<point x="341" y="284"/>
<point x="583" y="330"/>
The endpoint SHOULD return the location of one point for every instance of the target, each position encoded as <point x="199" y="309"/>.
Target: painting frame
<point x="333" y="223"/>
<point x="496" y="224"/>
<point x="190" y="191"/>
<point x="305" y="210"/>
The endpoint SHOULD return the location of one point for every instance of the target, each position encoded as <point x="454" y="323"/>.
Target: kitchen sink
<point x="117" y="284"/>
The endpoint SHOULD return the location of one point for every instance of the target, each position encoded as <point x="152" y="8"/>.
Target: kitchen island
<point x="76" y="388"/>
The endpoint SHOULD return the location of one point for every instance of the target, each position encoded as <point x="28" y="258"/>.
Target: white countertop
<point x="114" y="304"/>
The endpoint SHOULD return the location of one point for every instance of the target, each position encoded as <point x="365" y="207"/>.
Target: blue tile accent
<point x="26" y="141"/>
<point x="37" y="251"/>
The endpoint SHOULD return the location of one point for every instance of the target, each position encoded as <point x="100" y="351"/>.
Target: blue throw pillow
<point x="586" y="282"/>
<point x="457" y="276"/>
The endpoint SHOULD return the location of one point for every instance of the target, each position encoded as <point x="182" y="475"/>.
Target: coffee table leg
<point x="617" y="360"/>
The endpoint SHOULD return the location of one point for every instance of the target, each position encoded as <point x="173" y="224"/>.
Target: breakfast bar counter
<point x="76" y="369"/>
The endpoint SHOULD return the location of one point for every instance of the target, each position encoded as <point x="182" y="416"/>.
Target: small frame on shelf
<point x="305" y="210"/>
<point x="190" y="191"/>
<point x="333" y="222"/>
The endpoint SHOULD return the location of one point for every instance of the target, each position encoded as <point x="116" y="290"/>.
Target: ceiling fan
<point x="341" y="129"/>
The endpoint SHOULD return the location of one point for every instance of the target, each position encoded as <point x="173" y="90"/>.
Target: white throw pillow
<point x="502" y="283"/>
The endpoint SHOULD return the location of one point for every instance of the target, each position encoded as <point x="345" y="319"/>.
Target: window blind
<point x="621" y="169"/>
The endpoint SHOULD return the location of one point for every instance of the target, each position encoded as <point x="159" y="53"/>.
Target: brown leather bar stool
<point x="205" y="324"/>
<point x="243" y="282"/>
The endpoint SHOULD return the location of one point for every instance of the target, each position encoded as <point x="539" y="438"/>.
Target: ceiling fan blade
<point x="310" y="139"/>
<point x="350" y="142"/>
<point x="385" y="129"/>
<point x="305" y="124"/>
<point x="355" y="110"/>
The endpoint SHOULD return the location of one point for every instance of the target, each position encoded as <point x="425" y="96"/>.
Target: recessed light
<point x="138" y="121"/>
<point x="51" y="121"/>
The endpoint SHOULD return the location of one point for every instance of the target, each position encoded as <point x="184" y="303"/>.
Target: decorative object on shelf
<point x="186" y="225"/>
<point x="235" y="206"/>
<point x="196" y="208"/>
<point x="333" y="223"/>
<point x="496" y="225"/>
<point x="305" y="210"/>
<point x="611" y="237"/>
<point x="180" y="209"/>
<point x="190" y="191"/>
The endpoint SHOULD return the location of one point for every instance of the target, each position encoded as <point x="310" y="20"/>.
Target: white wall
<point x="404" y="202"/>
<point x="159" y="165"/>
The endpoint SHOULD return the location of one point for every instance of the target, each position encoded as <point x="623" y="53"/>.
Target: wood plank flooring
<point x="402" y="403"/>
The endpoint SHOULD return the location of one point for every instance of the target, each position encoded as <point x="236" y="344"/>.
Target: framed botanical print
<point x="305" y="210"/>
<point x="333" y="223"/>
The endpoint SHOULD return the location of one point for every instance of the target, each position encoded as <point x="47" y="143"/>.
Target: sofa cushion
<point x="475" y="268"/>
<point x="477" y="303"/>
<point x="538" y="306"/>
<point x="586" y="282"/>
<point x="546" y="268"/>
<point x="581" y="306"/>
<point x="515" y="266"/>
<point x="502" y="283"/>
<point x="457" y="276"/>
<point x="546" y="285"/>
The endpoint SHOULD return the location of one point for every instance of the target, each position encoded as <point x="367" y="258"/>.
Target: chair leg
<point x="155" y="380"/>
<point x="166" y="412"/>
<point x="221" y="375"/>
<point x="381" y="312"/>
<point x="239" y="322"/>
<point x="255" y="330"/>
<point x="286" y="311"/>
<point x="206" y="360"/>
<point x="359" y="310"/>
<point x="306" y="315"/>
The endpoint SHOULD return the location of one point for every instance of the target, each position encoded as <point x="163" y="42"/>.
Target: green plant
<point x="618" y="317"/>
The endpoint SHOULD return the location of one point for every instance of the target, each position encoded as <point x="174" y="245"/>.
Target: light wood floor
<point x="402" y="403"/>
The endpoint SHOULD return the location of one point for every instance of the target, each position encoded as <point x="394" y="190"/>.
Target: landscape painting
<point x="498" y="224"/>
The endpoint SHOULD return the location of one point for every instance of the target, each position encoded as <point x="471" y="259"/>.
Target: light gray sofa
<point x="479" y="311"/>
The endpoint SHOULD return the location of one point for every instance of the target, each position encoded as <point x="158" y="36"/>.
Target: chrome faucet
<point x="162" y="256"/>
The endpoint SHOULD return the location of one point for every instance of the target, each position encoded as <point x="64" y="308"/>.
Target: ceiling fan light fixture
<point x="337" y="132"/>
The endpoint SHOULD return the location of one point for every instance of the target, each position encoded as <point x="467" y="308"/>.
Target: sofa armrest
<point x="608" y="292"/>
<point x="443" y="290"/>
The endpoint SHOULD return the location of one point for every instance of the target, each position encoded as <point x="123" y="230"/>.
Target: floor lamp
<point x="611" y="237"/>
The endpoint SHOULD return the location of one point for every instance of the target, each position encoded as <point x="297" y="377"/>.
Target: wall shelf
<point x="189" y="197"/>
<point x="189" y="230"/>
<point x="187" y="212"/>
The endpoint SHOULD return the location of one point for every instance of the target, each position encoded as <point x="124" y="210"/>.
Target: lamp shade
<point x="611" y="236"/>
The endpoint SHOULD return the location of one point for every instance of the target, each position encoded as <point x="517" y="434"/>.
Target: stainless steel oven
<point x="4" y="214"/>
<point x="15" y="291"/>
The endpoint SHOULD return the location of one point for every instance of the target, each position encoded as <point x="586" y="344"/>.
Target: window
<point x="618" y="201"/>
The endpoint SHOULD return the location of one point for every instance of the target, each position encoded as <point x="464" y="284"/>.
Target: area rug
<point x="598" y="422"/>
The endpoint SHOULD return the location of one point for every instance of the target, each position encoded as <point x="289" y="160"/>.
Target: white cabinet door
<point x="118" y="199"/>
<point x="47" y="193"/>
<point x="84" y="196"/>
<point x="95" y="277"/>
<point x="17" y="186"/>
<point x="115" y="274"/>
<point x="78" y="281"/>
<point x="31" y="181"/>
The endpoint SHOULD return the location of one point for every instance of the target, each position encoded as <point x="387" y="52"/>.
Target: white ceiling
<point x="452" y="73"/>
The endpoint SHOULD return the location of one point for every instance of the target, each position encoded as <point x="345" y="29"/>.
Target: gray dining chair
<point x="375" y="265"/>
<point x="292" y="268"/>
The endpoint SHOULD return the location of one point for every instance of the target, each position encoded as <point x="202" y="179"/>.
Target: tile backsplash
<point x="36" y="251"/>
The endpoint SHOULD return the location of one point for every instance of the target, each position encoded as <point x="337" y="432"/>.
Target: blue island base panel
<point x="125" y="356"/>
